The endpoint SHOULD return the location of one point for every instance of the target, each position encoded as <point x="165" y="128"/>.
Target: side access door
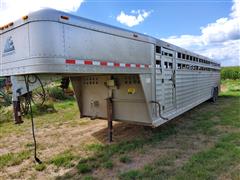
<point x="168" y="81"/>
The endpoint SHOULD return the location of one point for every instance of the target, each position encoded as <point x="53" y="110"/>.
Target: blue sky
<point x="167" y="18"/>
<point x="207" y="27"/>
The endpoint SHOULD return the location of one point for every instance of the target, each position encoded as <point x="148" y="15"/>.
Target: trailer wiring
<point x="159" y="110"/>
<point x="29" y="100"/>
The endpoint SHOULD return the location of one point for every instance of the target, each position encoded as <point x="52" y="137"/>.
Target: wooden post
<point x="110" y="118"/>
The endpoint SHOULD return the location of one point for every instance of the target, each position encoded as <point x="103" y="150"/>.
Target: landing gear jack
<point x="110" y="119"/>
<point x="17" y="112"/>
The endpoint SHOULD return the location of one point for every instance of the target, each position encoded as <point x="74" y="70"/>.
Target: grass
<point x="108" y="164"/>
<point x="40" y="167"/>
<point x="67" y="113"/>
<point x="102" y="155"/>
<point x="88" y="178"/>
<point x="13" y="159"/>
<point x="207" y="164"/>
<point x="212" y="162"/>
<point x="231" y="88"/>
<point x="160" y="169"/>
<point x="132" y="174"/>
<point x="83" y="168"/>
<point x="125" y="159"/>
<point x="94" y="147"/>
<point x="63" y="159"/>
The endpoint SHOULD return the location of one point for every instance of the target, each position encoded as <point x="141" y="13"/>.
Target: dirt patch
<point x="224" y="88"/>
<point x="51" y="141"/>
<point x="233" y="174"/>
<point x="227" y="129"/>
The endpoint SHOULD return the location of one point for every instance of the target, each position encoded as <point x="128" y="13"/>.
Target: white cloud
<point x="11" y="10"/>
<point x="226" y="52"/>
<point x="222" y="30"/>
<point x="235" y="9"/>
<point x="219" y="40"/>
<point x="136" y="17"/>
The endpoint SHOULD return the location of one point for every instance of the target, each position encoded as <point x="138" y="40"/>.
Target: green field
<point x="203" y="143"/>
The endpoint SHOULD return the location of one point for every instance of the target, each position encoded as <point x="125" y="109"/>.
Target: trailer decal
<point x="105" y="63"/>
<point x="9" y="47"/>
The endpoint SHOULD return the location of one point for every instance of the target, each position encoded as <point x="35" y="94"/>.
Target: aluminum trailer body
<point x="148" y="80"/>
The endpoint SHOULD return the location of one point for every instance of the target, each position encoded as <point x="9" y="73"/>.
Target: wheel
<point x="215" y="95"/>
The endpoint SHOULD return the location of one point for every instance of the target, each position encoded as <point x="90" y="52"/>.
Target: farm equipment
<point x="5" y="97"/>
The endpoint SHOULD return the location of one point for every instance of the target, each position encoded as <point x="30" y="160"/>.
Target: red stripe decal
<point x="116" y="64"/>
<point x="70" y="61"/>
<point x="103" y="63"/>
<point x="88" y="62"/>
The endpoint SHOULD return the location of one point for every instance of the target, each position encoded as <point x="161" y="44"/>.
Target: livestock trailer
<point x="116" y="73"/>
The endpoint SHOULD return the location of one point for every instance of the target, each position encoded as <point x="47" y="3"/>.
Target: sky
<point x="207" y="27"/>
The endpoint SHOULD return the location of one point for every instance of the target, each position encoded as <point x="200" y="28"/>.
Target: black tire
<point x="215" y="95"/>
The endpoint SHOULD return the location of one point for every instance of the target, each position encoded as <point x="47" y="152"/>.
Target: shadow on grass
<point x="128" y="138"/>
<point x="136" y="137"/>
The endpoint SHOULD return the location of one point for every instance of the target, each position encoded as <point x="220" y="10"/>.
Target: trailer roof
<point x="59" y="16"/>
